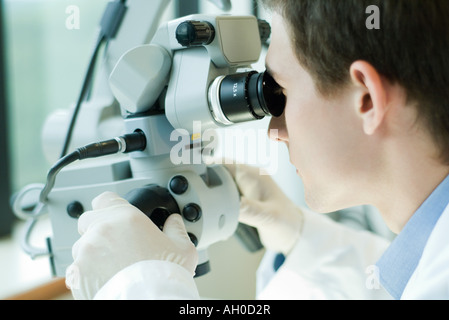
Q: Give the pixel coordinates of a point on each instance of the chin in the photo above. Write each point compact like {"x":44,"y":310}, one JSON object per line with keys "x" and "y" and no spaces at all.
{"x":316,"y":204}
{"x":325,"y":202}
{"x":320,"y":208}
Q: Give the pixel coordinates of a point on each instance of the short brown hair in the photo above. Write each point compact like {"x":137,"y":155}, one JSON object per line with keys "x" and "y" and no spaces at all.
{"x":411,"y":48}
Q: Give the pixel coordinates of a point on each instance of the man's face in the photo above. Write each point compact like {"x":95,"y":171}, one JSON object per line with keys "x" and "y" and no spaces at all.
{"x":324,"y":135}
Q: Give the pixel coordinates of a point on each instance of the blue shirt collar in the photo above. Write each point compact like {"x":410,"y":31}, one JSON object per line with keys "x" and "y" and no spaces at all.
{"x":400,"y":260}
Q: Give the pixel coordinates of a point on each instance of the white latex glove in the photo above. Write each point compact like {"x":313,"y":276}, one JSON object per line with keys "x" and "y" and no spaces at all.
{"x":116,"y":235}
{"x":265,"y":207}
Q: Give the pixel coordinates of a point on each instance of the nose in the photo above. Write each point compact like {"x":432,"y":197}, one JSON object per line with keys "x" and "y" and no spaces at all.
{"x":277,"y":130}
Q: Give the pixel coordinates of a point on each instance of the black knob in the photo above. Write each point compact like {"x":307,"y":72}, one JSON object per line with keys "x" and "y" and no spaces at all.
{"x":75,"y":209}
{"x":155,"y":202}
{"x":264,"y":30}
{"x":179,"y":185}
{"x":192,"y":212}
{"x":193,"y":238}
{"x":195,"y":33}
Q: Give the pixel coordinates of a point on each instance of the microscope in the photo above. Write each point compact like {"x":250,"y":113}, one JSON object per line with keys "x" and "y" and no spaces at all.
{"x":193,"y":75}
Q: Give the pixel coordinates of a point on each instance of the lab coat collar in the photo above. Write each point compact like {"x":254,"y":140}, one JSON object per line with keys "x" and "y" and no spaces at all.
{"x":400,"y":260}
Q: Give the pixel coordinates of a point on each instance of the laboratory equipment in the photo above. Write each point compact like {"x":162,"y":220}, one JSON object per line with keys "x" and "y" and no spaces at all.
{"x":171,"y":84}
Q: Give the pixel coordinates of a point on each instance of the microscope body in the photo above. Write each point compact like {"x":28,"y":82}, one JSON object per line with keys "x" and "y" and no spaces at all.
{"x":163,"y":89}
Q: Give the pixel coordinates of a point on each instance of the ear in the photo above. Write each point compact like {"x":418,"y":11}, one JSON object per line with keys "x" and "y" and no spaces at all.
{"x":370,"y":100}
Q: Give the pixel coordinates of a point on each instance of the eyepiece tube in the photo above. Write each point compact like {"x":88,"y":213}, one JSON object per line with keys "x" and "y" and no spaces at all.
{"x":245,"y":97}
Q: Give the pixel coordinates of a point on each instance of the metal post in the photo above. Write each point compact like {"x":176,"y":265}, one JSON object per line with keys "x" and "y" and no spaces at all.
{"x":6,"y":216}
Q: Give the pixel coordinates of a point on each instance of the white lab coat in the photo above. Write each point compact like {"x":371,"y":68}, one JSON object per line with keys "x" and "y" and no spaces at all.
{"x":431,"y":277}
{"x":330,"y":261}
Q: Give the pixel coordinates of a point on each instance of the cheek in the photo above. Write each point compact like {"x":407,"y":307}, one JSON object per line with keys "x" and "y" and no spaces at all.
{"x":316,"y":137}
{"x":304,"y":123}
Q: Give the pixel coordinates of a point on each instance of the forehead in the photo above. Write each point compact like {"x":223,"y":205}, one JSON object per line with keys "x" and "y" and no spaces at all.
{"x":281,"y":59}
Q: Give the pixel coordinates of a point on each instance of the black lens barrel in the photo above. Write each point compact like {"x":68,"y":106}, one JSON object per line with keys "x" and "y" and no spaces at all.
{"x":234,"y":98}
{"x":250,"y":96}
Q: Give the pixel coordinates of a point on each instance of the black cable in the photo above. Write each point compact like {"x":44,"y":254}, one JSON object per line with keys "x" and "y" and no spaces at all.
{"x":109,"y":25}
{"x":128,"y":143}
{"x":82,"y":96}
{"x":51,"y":176}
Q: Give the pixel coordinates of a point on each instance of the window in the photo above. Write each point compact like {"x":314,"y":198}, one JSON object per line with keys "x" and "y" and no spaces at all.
{"x":46,"y":62}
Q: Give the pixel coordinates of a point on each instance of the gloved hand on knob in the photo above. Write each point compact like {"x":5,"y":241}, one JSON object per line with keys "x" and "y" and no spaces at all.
{"x":115,"y":235}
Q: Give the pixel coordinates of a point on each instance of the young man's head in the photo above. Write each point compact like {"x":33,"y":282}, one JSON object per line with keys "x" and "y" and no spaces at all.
{"x":358,"y":97}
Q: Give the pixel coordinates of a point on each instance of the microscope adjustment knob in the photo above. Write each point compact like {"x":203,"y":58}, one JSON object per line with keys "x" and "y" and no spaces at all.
{"x":155,"y":202}
{"x":192,"y":212}
{"x":195,"y":33}
{"x":179,"y":185}
{"x":75,"y":209}
{"x":193,"y":238}
{"x":264,"y":30}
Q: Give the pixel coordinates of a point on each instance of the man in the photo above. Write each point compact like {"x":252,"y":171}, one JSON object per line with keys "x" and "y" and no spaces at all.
{"x":366,"y":122}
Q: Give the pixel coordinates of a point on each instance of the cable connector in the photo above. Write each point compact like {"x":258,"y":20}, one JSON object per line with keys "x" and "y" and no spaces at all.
{"x":128,"y":143}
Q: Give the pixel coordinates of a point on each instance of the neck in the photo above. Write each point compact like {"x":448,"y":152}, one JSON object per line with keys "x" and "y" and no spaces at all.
{"x":412,"y":174}
{"x":406,"y":196}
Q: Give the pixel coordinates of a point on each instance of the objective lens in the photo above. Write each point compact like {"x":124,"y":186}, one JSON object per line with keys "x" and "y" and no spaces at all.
{"x":245,"y":97}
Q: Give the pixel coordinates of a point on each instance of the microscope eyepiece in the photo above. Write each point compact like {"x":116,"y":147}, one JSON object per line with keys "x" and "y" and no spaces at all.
{"x":245,"y":97}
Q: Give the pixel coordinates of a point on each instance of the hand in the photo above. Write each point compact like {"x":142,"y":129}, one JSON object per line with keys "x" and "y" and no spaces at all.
{"x":264,"y":206}
{"x":116,"y":235}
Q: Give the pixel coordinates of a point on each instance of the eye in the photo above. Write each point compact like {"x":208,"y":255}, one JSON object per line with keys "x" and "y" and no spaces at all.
{"x":274,"y":95}
{"x":279,"y":90}
{"x":283,"y":91}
